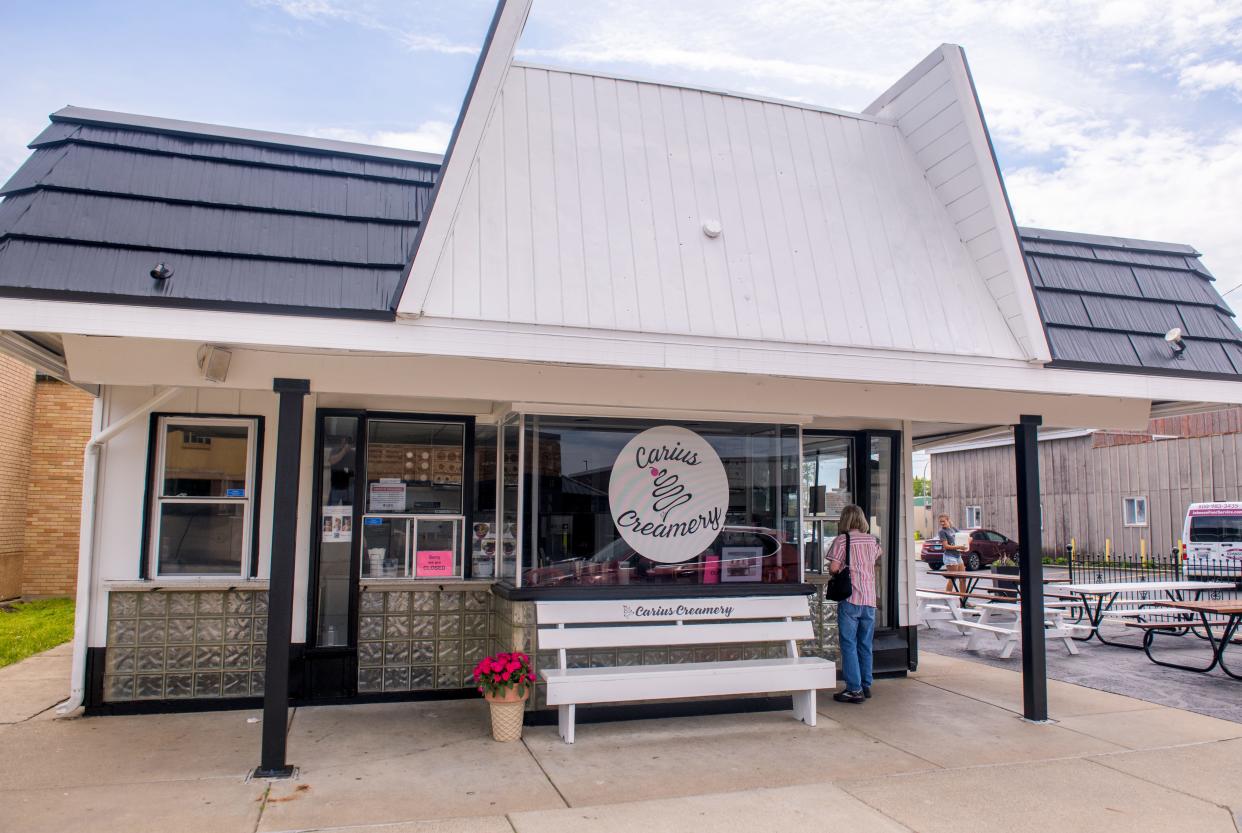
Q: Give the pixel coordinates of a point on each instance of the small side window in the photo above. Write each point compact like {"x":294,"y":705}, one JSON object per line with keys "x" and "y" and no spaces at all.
{"x":1134,"y":511}
{"x":204,"y":497}
{"x":974,"y":516}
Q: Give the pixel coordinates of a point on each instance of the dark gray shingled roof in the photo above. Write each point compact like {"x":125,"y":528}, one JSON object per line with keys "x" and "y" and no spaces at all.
{"x":1107,"y":302}
{"x":247,"y":220}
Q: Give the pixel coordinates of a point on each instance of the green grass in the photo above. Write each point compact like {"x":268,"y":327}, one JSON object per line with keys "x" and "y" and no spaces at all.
{"x":30,"y":627}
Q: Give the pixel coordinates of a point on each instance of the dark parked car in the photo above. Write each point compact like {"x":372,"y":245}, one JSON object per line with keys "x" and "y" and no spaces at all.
{"x":774,"y":560}
{"x":986,"y":546}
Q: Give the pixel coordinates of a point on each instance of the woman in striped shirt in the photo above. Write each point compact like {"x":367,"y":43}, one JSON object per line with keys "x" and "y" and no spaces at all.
{"x":856,"y":615}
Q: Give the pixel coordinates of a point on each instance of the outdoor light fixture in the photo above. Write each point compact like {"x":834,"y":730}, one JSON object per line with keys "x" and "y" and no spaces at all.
{"x":1174,"y":338}
{"x":162,"y":271}
{"x":213,"y":362}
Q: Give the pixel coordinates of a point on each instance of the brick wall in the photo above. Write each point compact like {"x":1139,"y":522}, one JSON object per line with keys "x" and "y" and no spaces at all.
{"x":17,"y":397}
{"x":62,"y":425}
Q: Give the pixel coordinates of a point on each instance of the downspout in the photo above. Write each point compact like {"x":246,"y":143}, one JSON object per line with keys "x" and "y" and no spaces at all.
{"x":86,"y":539}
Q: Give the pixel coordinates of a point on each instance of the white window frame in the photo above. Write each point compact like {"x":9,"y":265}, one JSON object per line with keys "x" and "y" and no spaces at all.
{"x":1135,"y":501}
{"x":974,"y":511}
{"x":158,"y":499}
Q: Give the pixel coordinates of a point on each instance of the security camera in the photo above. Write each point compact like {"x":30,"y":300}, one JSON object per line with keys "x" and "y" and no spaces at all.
{"x":1174,"y":338}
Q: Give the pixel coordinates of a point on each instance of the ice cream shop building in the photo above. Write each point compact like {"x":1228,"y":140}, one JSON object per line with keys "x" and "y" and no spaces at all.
{"x":360,"y":410}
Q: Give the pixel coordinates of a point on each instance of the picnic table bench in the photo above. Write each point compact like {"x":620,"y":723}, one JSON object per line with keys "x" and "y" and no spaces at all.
{"x":1225,"y":614}
{"x":568,"y":625}
{"x":1009,"y":633}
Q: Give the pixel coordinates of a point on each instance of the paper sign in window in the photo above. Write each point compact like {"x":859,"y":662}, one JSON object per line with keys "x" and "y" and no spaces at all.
{"x":434,"y":563}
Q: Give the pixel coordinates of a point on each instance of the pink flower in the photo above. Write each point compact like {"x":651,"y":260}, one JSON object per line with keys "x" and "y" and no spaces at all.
{"x":523,"y":657}
{"x":513,"y":666}
{"x":505,"y":676}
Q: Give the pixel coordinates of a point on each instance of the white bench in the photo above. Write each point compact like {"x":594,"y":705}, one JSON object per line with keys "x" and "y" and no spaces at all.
{"x":584,"y":625}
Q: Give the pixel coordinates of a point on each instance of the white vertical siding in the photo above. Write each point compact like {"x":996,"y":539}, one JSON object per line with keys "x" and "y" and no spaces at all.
{"x":585,"y":204}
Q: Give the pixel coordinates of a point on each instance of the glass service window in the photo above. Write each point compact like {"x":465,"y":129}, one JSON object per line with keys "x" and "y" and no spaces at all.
{"x":1135,"y":511}
{"x":827,"y":488}
{"x":205,"y":474}
{"x":974,"y":516}
{"x":414,"y":502}
{"x":570,"y":536}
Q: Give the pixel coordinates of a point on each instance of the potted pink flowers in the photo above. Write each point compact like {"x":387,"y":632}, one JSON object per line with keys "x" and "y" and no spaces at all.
{"x":504,"y":681}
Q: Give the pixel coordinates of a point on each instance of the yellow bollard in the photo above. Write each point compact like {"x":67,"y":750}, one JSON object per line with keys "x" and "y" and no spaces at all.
{"x":1143,"y":551}
{"x":1108,"y":548}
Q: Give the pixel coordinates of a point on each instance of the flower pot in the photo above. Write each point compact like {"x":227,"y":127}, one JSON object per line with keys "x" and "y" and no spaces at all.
{"x":1005,"y":571}
{"x":507,"y":710}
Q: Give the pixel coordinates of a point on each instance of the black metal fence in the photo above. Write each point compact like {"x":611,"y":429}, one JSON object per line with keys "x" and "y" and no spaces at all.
{"x":1087,"y":568}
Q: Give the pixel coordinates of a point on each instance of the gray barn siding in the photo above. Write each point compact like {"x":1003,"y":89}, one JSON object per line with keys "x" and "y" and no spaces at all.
{"x":1083,"y":488}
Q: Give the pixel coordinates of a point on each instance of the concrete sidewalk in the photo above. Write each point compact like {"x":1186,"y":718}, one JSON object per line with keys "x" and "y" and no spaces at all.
{"x":941,"y":751}
{"x":28,"y":689}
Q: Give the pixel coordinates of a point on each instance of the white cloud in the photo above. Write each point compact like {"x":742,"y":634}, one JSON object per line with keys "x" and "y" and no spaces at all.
{"x":403,"y":20}
{"x":1215,"y":75}
{"x":428,"y":137}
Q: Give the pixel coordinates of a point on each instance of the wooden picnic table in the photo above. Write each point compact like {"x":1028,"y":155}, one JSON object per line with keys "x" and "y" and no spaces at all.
{"x":1098,"y":599}
{"x":1226,"y":611}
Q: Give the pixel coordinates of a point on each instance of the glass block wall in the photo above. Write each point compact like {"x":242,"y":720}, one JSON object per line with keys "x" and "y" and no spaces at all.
{"x":168,"y":645}
{"x":414,"y":640}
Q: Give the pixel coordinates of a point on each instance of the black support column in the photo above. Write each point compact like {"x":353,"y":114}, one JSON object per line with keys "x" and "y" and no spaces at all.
{"x":1031,"y":569}
{"x":280,"y":585}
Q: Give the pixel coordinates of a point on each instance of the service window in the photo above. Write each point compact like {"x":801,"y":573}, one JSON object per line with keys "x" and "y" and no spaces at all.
{"x":204,"y":496}
{"x":1135,"y":510}
{"x":974,"y":516}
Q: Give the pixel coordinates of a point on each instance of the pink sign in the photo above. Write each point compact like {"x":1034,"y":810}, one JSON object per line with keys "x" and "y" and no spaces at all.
{"x":711,"y":569}
{"x":432,"y":563}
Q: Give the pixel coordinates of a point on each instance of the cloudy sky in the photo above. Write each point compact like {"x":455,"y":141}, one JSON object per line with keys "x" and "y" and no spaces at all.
{"x":1120,"y":117}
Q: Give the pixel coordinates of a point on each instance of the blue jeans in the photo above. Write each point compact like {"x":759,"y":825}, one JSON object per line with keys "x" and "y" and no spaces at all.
{"x":855,"y":627}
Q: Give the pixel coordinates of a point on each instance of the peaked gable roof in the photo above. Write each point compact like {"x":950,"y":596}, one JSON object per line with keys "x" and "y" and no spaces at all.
{"x":612,"y":204}
{"x":1107,"y":303}
{"x":246,"y":220}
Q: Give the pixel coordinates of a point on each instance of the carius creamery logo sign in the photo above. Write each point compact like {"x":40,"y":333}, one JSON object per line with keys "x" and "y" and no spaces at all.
{"x":668,"y":494}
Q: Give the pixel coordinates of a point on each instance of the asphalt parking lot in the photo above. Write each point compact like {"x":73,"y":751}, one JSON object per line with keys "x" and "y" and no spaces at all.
{"x":1106,"y":668}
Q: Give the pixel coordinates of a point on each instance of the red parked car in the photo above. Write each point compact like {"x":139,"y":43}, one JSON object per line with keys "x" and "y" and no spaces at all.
{"x":986,"y":546}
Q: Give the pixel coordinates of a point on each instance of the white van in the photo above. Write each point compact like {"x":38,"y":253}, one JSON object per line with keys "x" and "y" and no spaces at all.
{"x":1212,"y":540}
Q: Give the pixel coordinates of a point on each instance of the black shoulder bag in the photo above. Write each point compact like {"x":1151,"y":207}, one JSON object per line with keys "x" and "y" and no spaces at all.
{"x":840,"y":586}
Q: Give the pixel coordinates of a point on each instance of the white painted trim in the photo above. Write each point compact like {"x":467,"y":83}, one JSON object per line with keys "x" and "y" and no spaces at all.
{"x":242,"y":134}
{"x":604,"y":348}
{"x":493,"y":69}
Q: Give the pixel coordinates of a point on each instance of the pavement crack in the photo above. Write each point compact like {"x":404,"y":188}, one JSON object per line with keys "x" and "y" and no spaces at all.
{"x":551,"y":783}
{"x":262,"y":806}
{"x":1168,"y":787}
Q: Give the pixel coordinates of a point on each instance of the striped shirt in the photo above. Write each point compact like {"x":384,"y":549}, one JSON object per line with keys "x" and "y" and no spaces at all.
{"x":864,"y":553}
